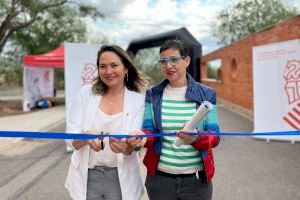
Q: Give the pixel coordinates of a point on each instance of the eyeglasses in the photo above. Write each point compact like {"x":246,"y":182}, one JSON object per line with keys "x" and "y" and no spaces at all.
{"x":173,"y":60}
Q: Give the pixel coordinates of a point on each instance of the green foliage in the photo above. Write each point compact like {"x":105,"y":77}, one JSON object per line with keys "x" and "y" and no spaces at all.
{"x":154,"y":72}
{"x":212,"y":69}
{"x":86,"y":10}
{"x":35,"y":27}
{"x":59,"y":81}
{"x":58,"y":25}
{"x":146,"y":60}
{"x":10,"y":72}
{"x":248,"y":17}
{"x":17,"y":15}
{"x":212,"y":73}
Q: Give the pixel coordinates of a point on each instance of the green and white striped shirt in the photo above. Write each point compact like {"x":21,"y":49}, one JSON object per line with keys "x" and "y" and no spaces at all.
{"x":176,"y":111}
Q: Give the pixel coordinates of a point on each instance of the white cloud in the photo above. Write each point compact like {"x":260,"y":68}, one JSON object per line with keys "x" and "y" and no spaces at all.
{"x":128,"y":20}
{"x":132,"y":19}
{"x":294,"y":3}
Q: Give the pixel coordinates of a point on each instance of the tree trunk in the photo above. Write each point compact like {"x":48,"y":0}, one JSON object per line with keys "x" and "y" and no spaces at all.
{"x":4,"y":39}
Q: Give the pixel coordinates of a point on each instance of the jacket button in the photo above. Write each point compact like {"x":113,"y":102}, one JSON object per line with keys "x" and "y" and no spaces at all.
{"x":127,"y":114}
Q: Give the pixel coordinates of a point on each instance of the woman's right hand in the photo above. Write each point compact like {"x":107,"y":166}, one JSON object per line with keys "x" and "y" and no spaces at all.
{"x":95,"y":144}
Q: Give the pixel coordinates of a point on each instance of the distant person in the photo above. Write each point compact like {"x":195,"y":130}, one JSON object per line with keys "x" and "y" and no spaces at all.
{"x":107,"y":170}
{"x":183,"y":172}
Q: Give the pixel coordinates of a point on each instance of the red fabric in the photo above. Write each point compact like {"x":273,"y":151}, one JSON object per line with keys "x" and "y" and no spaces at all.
{"x":209,"y":165}
{"x":151,"y":157}
{"x":150,"y":140}
{"x":55,"y":58}
{"x":151,"y":161}
{"x":205,"y":143}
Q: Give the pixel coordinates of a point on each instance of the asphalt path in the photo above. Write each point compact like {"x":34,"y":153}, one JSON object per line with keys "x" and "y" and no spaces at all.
{"x":246,"y":168}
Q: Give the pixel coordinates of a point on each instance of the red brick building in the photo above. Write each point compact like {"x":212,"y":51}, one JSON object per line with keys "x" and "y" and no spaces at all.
{"x":234,"y":82}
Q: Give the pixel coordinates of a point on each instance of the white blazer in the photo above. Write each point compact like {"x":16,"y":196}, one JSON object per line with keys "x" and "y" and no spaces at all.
{"x":83,"y":111}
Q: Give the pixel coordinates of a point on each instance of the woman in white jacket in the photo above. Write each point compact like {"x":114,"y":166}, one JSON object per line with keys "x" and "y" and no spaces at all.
{"x":109,"y":169}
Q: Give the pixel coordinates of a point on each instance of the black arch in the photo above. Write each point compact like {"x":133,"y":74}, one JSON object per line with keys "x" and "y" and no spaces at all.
{"x":194,"y":47}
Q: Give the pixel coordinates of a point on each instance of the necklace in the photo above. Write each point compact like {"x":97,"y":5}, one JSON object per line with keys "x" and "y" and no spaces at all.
{"x":114,"y":100}
{"x":111,"y":102}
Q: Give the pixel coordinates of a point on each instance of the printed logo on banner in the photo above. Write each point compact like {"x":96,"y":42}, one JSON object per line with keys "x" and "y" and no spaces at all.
{"x":46,"y":77}
{"x":292,"y":89}
{"x":89,"y":73}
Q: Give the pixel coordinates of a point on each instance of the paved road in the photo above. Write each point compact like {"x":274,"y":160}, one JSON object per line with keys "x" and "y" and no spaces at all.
{"x":247,"y":169}
{"x":250,"y":169}
{"x":34,"y":169}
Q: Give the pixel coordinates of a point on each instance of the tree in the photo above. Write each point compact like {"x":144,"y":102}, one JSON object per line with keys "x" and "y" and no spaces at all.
{"x":248,"y":17}
{"x":146,"y":60}
{"x":18,"y":14}
{"x":58,"y":25}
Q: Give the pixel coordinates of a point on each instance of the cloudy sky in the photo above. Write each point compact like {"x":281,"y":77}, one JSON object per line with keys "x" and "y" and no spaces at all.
{"x":131,"y":19}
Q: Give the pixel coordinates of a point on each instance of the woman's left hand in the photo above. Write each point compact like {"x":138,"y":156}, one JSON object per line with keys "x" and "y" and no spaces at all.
{"x":119,"y":146}
{"x":187,"y":137}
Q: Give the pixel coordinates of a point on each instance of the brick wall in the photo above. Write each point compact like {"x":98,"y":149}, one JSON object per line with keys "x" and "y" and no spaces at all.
{"x":235,"y":75}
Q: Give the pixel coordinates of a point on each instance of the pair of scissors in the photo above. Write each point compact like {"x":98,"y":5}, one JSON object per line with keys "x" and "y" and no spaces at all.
{"x":101,"y":141}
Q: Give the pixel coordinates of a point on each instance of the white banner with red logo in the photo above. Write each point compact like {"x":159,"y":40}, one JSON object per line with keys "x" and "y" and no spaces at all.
{"x":80,"y":69}
{"x":276,"y":84}
{"x":38,"y":83}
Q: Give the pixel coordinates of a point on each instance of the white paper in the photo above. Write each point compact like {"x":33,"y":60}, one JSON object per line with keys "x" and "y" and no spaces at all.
{"x":201,"y":112}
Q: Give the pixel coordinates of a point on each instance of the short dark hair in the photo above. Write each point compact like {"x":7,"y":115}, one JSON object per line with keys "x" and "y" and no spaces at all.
{"x":137,"y":81}
{"x":176,"y":45}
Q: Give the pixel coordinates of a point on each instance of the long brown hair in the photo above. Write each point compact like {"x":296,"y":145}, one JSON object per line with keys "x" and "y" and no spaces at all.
{"x":137,"y":81}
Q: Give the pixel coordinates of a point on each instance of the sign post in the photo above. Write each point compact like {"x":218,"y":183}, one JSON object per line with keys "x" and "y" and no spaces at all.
{"x":276,"y":84}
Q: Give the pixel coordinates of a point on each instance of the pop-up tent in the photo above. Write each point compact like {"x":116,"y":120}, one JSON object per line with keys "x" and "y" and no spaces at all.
{"x":53,"y":59}
{"x":38,"y":76}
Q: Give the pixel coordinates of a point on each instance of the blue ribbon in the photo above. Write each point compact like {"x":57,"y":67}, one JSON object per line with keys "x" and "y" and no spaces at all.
{"x":63,"y":135}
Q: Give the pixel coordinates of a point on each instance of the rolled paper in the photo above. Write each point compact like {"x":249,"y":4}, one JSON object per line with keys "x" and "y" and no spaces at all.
{"x":201,"y":112}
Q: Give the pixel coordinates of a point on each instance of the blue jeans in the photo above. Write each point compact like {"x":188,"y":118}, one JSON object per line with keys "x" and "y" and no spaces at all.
{"x":169,"y":188}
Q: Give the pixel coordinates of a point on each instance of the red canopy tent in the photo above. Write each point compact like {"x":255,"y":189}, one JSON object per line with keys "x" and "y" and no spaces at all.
{"x":38,"y":76}
{"x":54,"y":58}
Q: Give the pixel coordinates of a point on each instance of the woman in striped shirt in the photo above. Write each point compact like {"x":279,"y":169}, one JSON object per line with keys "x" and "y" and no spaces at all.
{"x":183,"y":172}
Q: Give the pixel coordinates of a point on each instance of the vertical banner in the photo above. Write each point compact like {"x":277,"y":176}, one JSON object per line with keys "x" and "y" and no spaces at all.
{"x":38,"y":83}
{"x":276,"y":84}
{"x":80,"y":69}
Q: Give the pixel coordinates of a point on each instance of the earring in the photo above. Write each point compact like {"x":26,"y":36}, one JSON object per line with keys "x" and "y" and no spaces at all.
{"x":126,"y":76}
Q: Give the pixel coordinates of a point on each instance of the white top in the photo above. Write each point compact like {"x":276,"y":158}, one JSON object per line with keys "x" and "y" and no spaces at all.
{"x":113,"y":125}
{"x":82,"y":115}
{"x":177,"y":93}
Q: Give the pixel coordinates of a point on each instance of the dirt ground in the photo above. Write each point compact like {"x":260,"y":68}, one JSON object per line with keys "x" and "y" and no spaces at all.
{"x":11,"y":101}
{"x":10,"y":107}
{"x":14,"y":107}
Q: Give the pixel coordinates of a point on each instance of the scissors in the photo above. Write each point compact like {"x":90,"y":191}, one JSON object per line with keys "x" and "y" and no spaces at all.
{"x":102,"y":143}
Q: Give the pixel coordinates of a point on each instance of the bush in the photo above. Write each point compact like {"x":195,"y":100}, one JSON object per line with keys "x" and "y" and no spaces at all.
{"x":11,"y":73}
{"x":59,"y":79}
{"x":146,"y":60}
{"x":212,"y":73}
